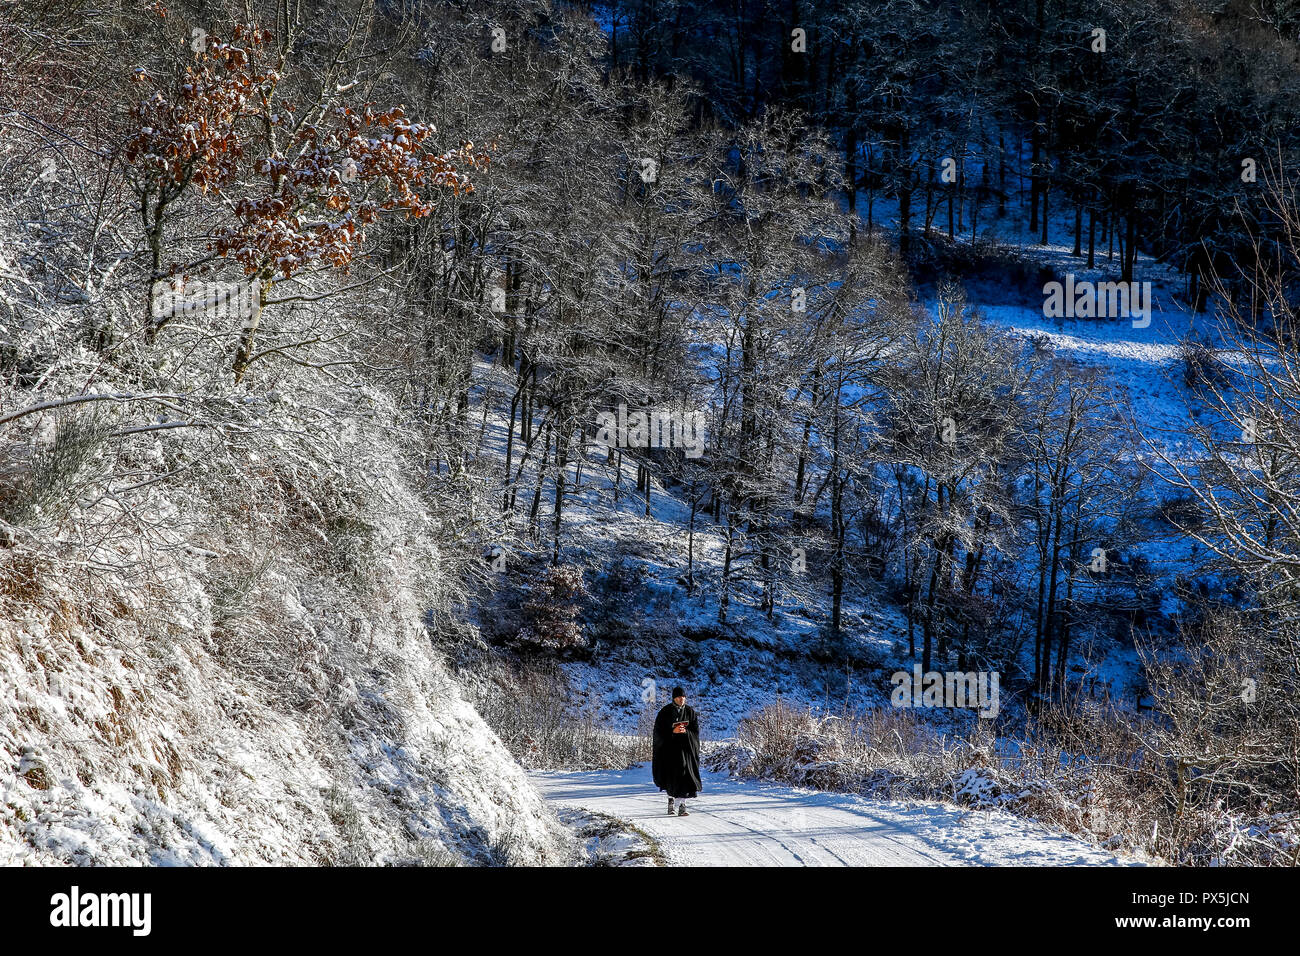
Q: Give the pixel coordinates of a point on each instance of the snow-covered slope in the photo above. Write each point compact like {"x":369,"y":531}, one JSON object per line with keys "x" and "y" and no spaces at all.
{"x":231,"y":695}
{"x":636,"y":557}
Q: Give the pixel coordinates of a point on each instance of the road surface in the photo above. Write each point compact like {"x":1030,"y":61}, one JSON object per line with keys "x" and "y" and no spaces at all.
{"x":742,"y":823}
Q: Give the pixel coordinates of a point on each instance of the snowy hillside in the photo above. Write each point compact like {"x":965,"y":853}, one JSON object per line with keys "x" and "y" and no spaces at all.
{"x":213,"y":694}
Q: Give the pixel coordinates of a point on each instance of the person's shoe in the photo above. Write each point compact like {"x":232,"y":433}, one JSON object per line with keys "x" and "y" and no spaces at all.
{"x":670,"y":806}
{"x":682,"y":812}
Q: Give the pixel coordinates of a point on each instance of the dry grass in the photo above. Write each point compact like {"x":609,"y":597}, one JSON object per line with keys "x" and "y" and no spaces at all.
{"x":1085,"y":771}
{"x":532,"y":708}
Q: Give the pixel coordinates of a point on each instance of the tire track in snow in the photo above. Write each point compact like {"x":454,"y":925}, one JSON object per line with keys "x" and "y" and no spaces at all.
{"x":744,"y":823}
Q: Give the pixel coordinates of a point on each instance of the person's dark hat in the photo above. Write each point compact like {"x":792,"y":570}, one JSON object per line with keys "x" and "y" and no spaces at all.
{"x":678,"y":692}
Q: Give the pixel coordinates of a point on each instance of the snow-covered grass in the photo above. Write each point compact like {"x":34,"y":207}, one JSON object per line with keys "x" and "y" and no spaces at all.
{"x":1078,"y":771}
{"x":609,"y":841}
{"x":250,"y":681}
{"x":892,"y":754}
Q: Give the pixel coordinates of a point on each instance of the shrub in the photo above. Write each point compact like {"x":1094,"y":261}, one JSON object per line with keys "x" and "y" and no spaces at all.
{"x":1201,"y":365}
{"x":532,"y":708}
{"x":46,"y":486}
{"x":997,"y":274}
{"x":1091,"y":770}
{"x":553,"y":612}
{"x":1181,"y":512}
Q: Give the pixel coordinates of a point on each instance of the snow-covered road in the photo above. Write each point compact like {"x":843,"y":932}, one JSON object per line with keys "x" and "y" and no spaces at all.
{"x":741,"y":823}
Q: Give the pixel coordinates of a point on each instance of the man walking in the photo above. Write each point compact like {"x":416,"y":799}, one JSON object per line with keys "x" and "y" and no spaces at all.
{"x":676,"y":764}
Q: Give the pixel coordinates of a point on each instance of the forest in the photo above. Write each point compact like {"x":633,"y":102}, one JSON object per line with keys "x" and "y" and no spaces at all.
{"x":365,"y":358}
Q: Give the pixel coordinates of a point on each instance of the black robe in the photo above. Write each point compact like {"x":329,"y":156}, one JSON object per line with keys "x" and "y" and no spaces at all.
{"x":676,"y":764}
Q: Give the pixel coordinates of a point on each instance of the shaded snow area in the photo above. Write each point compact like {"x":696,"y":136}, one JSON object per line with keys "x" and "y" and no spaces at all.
{"x":742,"y":823}
{"x":645,"y":625}
{"x":646,"y":630}
{"x":225,"y":700}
